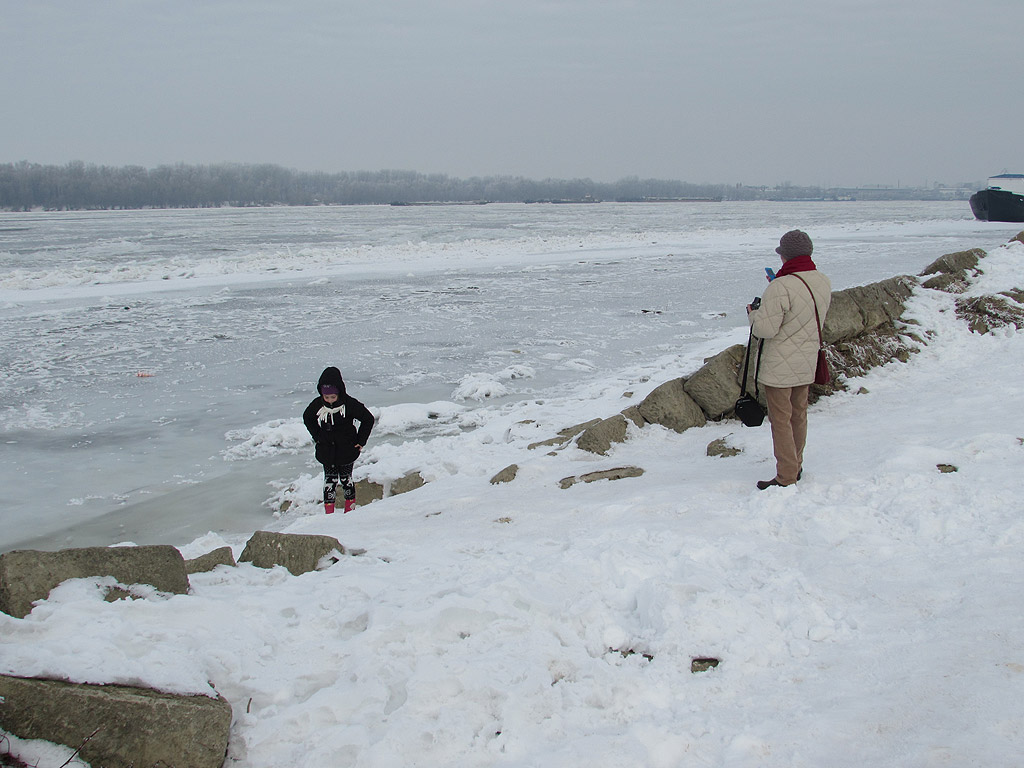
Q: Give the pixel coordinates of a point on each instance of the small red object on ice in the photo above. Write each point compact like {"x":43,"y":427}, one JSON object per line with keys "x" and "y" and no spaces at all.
{"x":143,"y":375}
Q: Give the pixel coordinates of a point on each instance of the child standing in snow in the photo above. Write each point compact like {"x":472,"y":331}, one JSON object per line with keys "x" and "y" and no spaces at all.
{"x":330,"y":420}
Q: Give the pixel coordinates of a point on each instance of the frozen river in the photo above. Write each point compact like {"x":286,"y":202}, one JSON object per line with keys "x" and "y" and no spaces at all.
{"x":136,"y":345}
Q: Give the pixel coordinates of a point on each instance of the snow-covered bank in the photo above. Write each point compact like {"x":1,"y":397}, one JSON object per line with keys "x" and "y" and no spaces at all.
{"x":868,"y":616}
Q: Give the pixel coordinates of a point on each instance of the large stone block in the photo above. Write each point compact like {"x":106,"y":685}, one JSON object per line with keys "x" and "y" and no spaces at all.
{"x":670,"y":406}
{"x":953,"y":263}
{"x":298,"y":552}
{"x":599,"y":437}
{"x":898,"y":289}
{"x":866,"y":307}
{"x":871,"y":300}
{"x":715,"y":386}
{"x":881,"y":302}
{"x":29,"y":575}
{"x":406,"y":483}
{"x":118,"y":726}
{"x":843,"y":320}
{"x":368,"y":491}
{"x":209,"y":561}
{"x":632,"y":413}
{"x":947,"y":283}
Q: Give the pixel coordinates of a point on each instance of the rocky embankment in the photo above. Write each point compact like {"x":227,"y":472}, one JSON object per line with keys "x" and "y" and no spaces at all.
{"x":864,"y":329}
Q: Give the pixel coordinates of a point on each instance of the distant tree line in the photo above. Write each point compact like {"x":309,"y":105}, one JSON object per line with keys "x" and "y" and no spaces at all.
{"x":79,"y":186}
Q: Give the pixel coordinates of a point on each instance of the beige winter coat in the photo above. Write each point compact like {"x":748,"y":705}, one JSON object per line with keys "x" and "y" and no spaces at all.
{"x":785,"y":320}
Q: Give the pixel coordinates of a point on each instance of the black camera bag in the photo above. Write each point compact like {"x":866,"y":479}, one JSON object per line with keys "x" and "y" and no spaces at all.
{"x":747,"y":408}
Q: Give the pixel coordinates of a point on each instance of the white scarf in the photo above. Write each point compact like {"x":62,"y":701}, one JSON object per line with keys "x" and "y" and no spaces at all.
{"x":326,"y":413}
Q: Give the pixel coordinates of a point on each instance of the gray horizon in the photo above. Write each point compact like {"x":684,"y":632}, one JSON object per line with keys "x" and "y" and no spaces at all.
{"x":831,"y":93}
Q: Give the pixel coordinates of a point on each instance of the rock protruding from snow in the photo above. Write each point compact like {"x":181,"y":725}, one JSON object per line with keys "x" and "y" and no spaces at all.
{"x":721,"y":447}
{"x":618,"y":473}
{"x":670,"y":406}
{"x":716,"y":386}
{"x":406,"y":483}
{"x":298,"y":552}
{"x":952,"y":272}
{"x":29,"y":575}
{"x":986,"y":313}
{"x":599,"y":437}
{"x":118,"y":726}
{"x":209,"y":561}
{"x":507,"y":475}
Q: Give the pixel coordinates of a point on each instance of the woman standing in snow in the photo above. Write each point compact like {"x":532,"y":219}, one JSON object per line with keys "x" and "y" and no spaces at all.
{"x":330,"y":419}
{"x":788,"y":317}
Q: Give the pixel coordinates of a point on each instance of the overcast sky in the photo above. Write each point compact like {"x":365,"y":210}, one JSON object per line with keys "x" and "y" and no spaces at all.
{"x":817,"y":92}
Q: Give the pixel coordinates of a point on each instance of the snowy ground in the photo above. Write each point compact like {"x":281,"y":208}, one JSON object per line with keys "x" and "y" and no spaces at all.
{"x":870,"y":616}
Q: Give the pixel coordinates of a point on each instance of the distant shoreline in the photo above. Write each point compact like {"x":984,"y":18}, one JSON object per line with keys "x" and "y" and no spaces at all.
{"x":461,"y":204}
{"x":77,"y":186}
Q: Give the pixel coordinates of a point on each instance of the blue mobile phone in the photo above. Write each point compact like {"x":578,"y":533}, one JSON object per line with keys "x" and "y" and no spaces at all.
{"x":770,"y":273}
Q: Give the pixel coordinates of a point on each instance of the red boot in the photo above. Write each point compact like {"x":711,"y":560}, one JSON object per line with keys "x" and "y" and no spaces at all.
{"x":329,"y":508}
{"x":350,"y":504}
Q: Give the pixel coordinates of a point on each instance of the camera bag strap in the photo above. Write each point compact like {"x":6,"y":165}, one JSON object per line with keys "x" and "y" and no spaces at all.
{"x":746,"y":364}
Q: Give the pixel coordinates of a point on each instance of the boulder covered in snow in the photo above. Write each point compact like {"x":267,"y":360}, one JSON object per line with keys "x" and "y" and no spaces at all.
{"x":716,"y":386}
{"x":952,"y":272}
{"x":670,"y":406}
{"x":406,"y":483}
{"x":29,"y":575}
{"x":599,"y":437}
{"x":209,"y":561}
{"x":865,"y":308}
{"x":367,"y":491}
{"x":298,"y":552}
{"x":118,"y":726}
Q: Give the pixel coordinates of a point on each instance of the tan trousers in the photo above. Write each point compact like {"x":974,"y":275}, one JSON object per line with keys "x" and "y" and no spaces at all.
{"x":787,"y":412}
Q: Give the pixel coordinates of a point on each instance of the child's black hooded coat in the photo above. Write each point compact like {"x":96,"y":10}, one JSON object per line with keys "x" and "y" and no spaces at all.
{"x":332,"y":427}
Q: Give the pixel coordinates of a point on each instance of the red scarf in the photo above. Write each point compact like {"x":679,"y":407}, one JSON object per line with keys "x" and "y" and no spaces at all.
{"x":796,"y":264}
